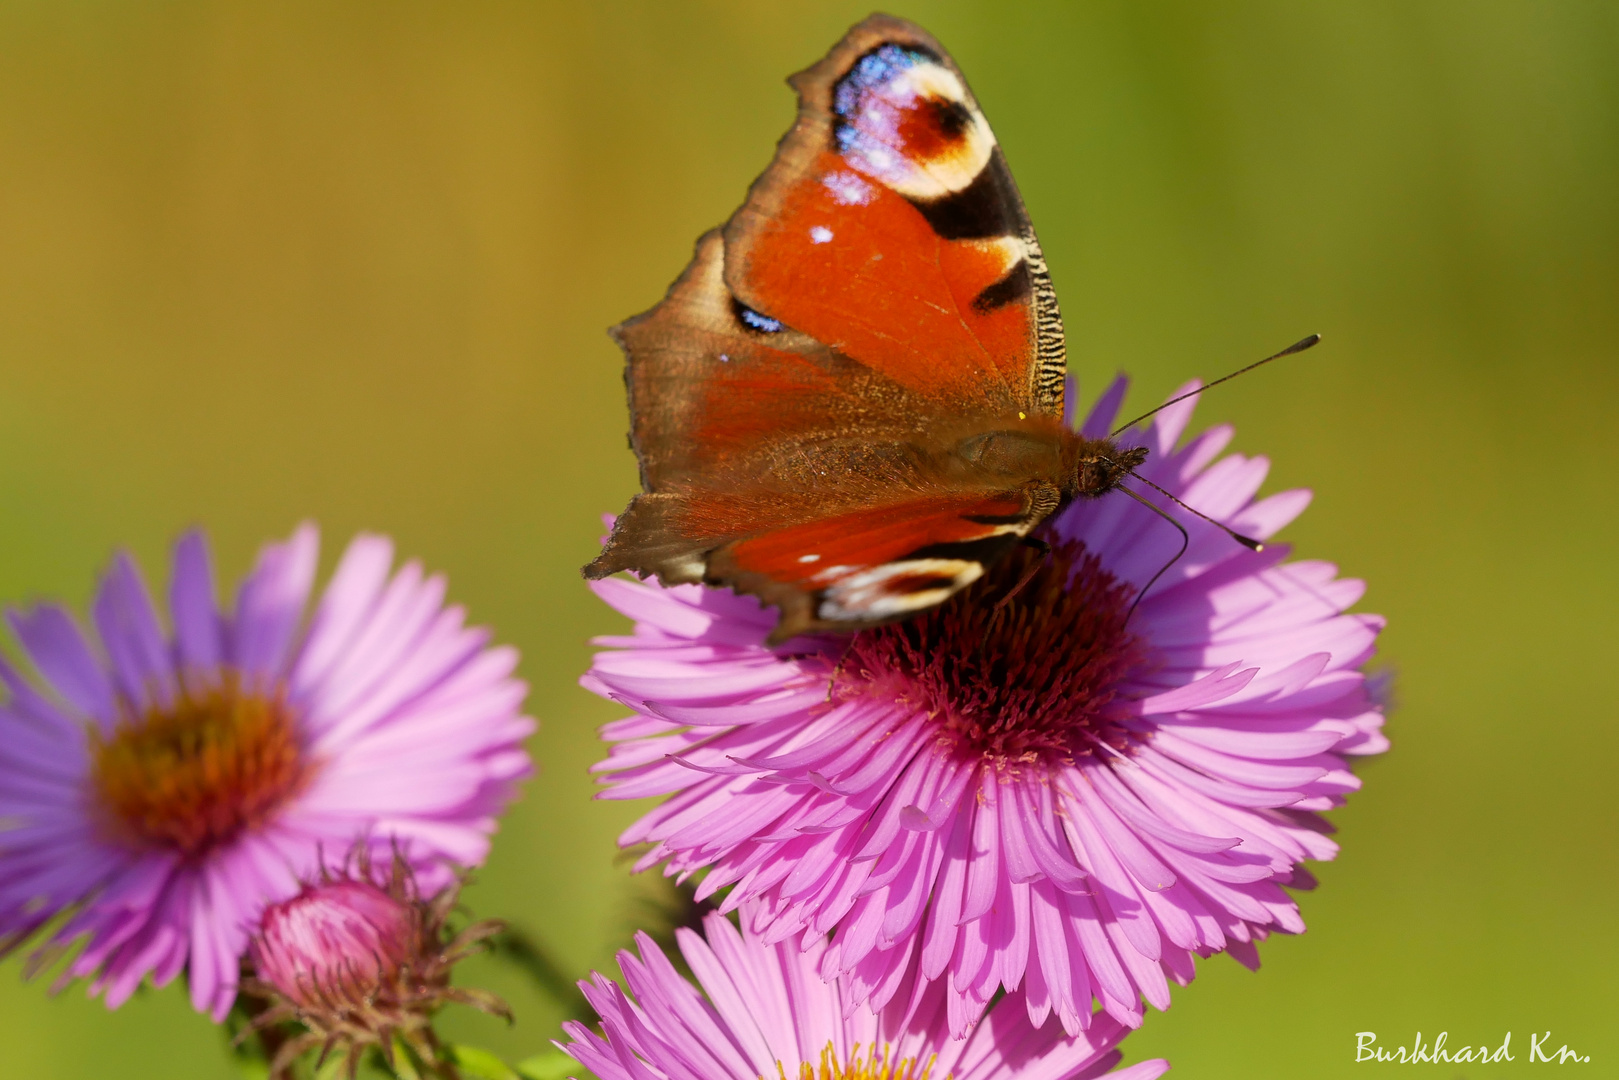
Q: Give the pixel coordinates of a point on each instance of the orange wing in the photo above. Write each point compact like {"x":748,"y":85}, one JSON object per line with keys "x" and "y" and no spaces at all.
{"x":890,"y":229}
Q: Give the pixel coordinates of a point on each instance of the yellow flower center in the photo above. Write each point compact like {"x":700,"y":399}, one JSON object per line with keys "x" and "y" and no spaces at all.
{"x":862,"y":1065}
{"x":195,"y":774}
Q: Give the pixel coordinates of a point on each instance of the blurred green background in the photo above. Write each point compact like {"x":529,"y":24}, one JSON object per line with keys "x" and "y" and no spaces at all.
{"x":353,"y":262}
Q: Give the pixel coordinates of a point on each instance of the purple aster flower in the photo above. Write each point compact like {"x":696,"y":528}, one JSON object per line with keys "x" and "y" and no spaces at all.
{"x":1048,"y":792}
{"x":768,"y":1014}
{"x":163,"y":788}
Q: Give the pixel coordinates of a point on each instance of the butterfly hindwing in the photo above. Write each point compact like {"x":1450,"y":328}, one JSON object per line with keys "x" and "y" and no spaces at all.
{"x":879,"y":564}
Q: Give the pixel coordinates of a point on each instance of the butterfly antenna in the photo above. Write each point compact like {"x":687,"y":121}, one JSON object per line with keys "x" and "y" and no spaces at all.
{"x":1246,"y":541}
{"x":1186,"y":541}
{"x":1296,"y":347}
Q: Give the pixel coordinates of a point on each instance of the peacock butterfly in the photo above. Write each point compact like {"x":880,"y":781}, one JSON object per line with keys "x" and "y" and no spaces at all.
{"x":850,"y":404}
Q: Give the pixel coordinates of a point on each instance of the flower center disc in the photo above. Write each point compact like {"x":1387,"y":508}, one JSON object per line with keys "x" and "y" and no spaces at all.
{"x":1038,"y":676}
{"x":195,"y":774}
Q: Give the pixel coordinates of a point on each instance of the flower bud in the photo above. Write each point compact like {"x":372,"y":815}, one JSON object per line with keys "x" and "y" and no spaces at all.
{"x":360,"y":962}
{"x":334,"y":944}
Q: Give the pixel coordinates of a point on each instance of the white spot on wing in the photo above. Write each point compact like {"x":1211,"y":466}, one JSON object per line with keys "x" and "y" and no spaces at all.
{"x":820,"y":234}
{"x":874,"y":593}
{"x":690,"y":568}
{"x":847,"y":188}
{"x":809,"y":558}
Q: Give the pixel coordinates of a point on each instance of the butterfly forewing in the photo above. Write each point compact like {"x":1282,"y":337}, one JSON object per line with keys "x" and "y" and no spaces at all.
{"x":889,"y":227}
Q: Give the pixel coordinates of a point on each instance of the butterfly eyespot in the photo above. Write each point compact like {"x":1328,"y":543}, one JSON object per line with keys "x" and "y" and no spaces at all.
{"x":905,"y":120}
{"x":755,"y":321}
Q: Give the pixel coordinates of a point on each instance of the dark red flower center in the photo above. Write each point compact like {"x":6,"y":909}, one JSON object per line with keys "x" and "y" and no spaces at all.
{"x":196,"y":773}
{"x":1036,"y":676}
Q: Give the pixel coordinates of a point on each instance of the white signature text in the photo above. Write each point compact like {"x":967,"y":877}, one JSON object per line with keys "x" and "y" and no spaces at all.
{"x":1366,"y":1049}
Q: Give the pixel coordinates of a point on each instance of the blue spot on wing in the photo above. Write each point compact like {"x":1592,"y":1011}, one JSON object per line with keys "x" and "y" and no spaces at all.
{"x":762,"y":323}
{"x":875,"y":68}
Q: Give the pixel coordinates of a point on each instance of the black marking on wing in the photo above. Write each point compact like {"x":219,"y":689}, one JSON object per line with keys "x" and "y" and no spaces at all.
{"x":996,"y":519}
{"x":981,"y":210}
{"x":950,"y":117}
{"x":985,"y":551}
{"x":1016,"y":285}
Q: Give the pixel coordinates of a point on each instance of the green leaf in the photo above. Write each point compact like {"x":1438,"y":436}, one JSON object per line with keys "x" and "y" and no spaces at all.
{"x":549,"y":1065}
{"x":480,"y":1063}
{"x":330,"y":1068}
{"x":404,"y":1061}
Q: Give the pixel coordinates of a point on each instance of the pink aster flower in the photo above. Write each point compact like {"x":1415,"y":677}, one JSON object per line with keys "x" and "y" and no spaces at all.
{"x":163,"y":788}
{"x":1061,"y":797}
{"x":767,"y":1013}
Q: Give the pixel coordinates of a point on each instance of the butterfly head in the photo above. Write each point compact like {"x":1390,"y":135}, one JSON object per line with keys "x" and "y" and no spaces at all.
{"x":1101,"y":465}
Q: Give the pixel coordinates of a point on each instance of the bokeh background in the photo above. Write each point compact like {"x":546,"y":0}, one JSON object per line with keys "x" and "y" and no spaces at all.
{"x":353,"y":261}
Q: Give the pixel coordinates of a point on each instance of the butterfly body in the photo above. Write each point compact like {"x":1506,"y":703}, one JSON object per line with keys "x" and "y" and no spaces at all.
{"x":851,"y":402}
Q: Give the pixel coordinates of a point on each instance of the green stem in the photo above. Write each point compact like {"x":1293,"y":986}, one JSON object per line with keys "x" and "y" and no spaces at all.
{"x":270,"y":1039}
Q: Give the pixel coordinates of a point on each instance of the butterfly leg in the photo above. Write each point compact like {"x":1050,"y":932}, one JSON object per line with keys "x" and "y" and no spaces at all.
{"x":1028,"y":572}
{"x":837,"y":669}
